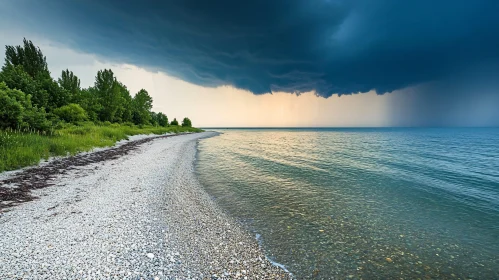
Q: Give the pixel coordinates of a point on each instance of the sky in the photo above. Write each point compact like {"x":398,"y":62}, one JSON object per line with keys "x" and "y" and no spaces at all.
{"x":282,"y":62}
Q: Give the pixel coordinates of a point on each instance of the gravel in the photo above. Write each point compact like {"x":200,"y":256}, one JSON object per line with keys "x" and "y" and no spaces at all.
{"x":143,"y":215}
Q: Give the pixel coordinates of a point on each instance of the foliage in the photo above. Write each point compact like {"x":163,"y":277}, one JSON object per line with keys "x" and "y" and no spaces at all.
{"x":89,"y":101}
{"x":57,"y":96}
{"x":159,"y":119}
{"x":16,"y":111}
{"x":29,"y":57}
{"x":174,"y":122}
{"x":40,"y":116}
{"x":141,"y":104}
{"x":108,"y":93}
{"x":124,"y":112}
{"x":154,"y":119}
{"x":36,"y":119}
{"x":26,"y":69}
{"x":11,"y":110}
{"x":72,"y":113}
{"x":108,"y":100}
{"x":162,"y":119}
{"x":16,"y":78}
{"x":186,"y":122}
{"x":71,"y":83}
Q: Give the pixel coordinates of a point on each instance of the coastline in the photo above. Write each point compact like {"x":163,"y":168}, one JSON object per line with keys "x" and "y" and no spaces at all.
{"x":5,"y":175}
{"x":142,"y":214}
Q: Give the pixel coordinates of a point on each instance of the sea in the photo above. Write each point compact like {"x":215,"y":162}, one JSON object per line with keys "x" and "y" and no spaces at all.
{"x":362,"y":203}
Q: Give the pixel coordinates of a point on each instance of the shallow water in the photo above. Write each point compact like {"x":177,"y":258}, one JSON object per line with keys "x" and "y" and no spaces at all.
{"x":363,"y":203}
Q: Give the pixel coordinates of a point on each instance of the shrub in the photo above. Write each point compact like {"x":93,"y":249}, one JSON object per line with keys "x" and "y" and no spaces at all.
{"x":16,"y":111}
{"x":36,"y":119}
{"x":11,"y":110}
{"x":71,"y":113}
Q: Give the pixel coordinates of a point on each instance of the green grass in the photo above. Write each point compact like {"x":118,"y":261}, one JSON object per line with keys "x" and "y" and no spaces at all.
{"x":19,"y":149}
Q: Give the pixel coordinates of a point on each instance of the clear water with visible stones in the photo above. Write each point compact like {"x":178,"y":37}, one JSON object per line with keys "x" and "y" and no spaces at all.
{"x":363,"y":203}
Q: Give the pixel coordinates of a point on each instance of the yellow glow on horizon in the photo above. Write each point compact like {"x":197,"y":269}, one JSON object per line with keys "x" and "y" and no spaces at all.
{"x":230,"y":107}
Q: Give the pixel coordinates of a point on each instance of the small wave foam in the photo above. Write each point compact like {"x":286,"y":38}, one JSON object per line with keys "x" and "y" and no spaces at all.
{"x":274,"y":263}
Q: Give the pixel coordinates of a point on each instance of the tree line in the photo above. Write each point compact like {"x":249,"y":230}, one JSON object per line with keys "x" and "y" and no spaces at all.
{"x":31,"y":99}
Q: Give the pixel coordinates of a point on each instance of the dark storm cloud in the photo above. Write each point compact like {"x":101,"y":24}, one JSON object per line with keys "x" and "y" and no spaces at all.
{"x":330,"y":46}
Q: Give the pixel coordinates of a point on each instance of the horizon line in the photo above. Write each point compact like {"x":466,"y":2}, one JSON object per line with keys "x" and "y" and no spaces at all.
{"x":334,"y":127}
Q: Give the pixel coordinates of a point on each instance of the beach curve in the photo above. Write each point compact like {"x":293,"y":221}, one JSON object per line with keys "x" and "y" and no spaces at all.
{"x":140,"y":215}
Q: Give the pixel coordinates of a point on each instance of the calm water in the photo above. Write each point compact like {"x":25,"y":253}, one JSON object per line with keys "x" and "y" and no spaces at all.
{"x":363,"y":203}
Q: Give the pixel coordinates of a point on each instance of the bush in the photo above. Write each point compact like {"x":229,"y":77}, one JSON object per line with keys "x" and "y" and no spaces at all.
{"x":174,"y":122}
{"x":16,"y":111}
{"x":71,"y":113}
{"x":11,"y":110}
{"x":36,"y":119}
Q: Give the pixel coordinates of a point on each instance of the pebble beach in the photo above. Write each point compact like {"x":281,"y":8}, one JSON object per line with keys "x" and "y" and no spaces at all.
{"x":138,"y":215}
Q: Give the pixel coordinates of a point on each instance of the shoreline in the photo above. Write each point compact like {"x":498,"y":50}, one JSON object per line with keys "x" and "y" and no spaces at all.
{"x":138,"y":214}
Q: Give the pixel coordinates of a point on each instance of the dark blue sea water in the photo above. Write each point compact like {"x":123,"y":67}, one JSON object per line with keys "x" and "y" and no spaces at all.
{"x":363,"y":203}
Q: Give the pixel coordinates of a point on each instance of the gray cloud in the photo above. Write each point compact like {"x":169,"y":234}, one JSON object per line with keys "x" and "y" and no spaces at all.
{"x":330,"y":46}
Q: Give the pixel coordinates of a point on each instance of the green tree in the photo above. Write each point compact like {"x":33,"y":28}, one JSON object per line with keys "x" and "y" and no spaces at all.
{"x":29,"y":57}
{"x":31,"y":60}
{"x":57,"y":96}
{"x":71,"y":83}
{"x":16,"y":78}
{"x":162,"y":119}
{"x":186,"y":122}
{"x":108,"y":92}
{"x":141,"y":104}
{"x":124,"y":111}
{"x":159,"y":119}
{"x":174,"y":122}
{"x":89,"y":101}
{"x":154,"y":118}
